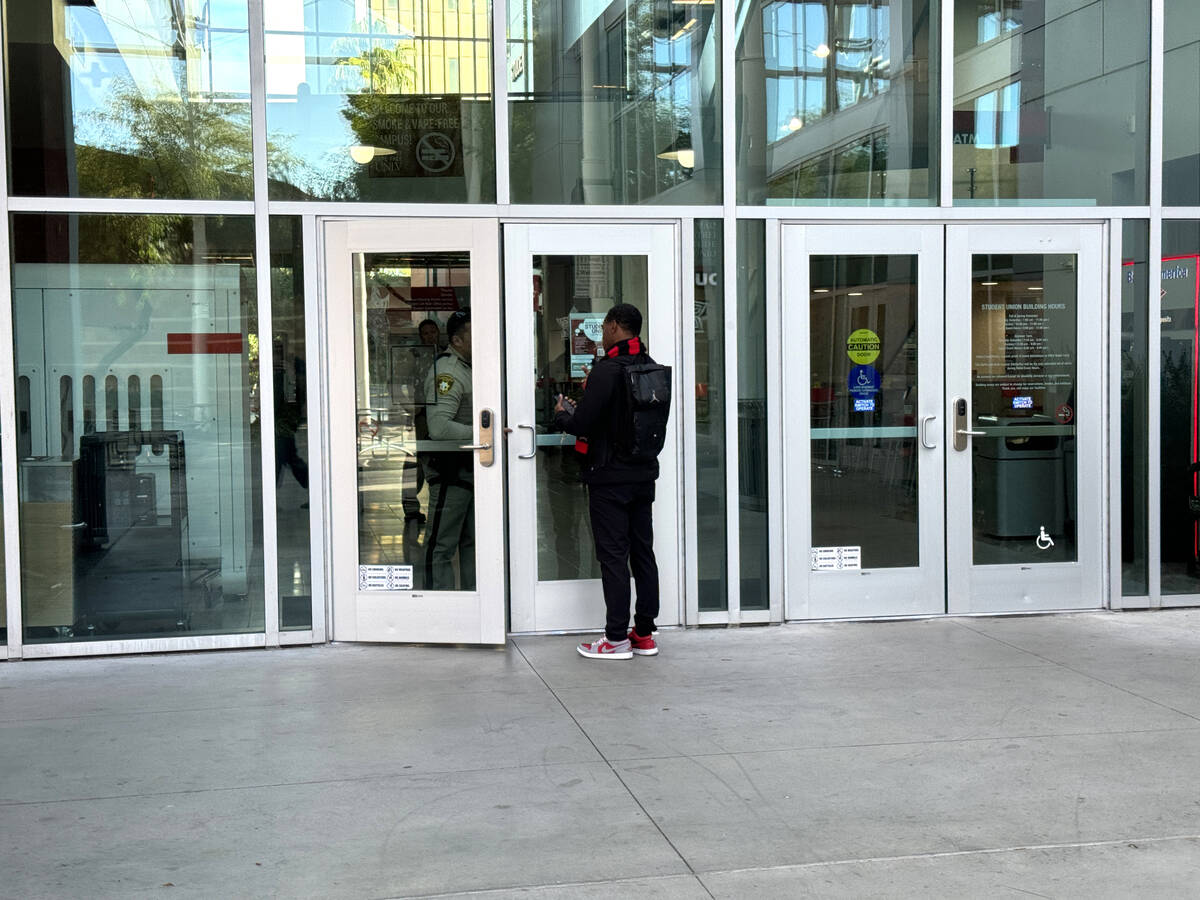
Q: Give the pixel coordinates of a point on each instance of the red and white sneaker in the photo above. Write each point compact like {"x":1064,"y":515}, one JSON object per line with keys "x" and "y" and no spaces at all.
{"x":643,"y":646}
{"x":606,"y":649}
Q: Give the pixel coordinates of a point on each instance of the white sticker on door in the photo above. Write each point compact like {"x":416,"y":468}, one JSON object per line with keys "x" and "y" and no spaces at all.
{"x":385,"y":578}
{"x":836,"y":559}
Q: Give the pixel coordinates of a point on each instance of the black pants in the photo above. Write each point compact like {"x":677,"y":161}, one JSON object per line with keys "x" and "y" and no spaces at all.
{"x":623,"y":529}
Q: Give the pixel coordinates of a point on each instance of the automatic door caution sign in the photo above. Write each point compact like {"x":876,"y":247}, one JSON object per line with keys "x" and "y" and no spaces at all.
{"x":862,"y":346}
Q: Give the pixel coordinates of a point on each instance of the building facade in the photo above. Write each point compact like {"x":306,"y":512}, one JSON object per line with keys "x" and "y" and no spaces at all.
{"x":906,"y":258}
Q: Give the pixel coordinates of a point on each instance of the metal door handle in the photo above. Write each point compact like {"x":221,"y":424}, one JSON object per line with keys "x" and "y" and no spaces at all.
{"x":925,"y":432}
{"x":532,"y":442}
{"x":474,"y":446}
{"x":970,"y":432}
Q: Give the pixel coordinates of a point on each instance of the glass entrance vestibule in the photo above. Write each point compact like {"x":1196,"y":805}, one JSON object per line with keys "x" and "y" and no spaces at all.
{"x":951,"y":459}
{"x":870,"y":420}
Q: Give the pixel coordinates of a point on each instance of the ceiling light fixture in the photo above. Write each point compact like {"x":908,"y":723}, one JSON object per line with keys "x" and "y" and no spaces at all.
{"x":364,"y":153}
{"x":680,"y":150}
{"x":795,"y":124}
{"x":822,"y":51}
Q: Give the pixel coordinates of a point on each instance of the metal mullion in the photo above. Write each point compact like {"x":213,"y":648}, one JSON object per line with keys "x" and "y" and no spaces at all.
{"x":334,"y":209}
{"x":8,"y":412}
{"x":118,"y":206}
{"x":690,"y":513}
{"x":1112,"y":403}
{"x":1157,"y":111}
{"x":733,"y":550}
{"x":729,"y":279}
{"x":946,"y":106}
{"x":266,"y":333}
{"x":773,"y":350}
{"x":1016,"y":215}
{"x":500,"y":119}
{"x":318,"y":450}
{"x":1154,"y":331}
{"x":1112,"y":509}
{"x":1180,"y":212}
{"x":728,"y":104}
{"x":1154,"y":417}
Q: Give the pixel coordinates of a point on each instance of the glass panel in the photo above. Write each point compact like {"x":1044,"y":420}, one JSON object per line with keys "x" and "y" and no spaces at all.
{"x":128,"y":532}
{"x":380,"y":101}
{"x":1050,"y":101}
{"x":752,"y":415}
{"x":615,"y":102}
{"x":1180,"y":396}
{"x":290,"y":354}
{"x":863,"y":346}
{"x":711,"y":490}
{"x":1181,"y":125}
{"x":572,"y":294}
{"x":837,"y":102}
{"x":118,"y":99}
{"x":1135,"y":421}
{"x":1023,"y":339}
{"x":416,"y":488}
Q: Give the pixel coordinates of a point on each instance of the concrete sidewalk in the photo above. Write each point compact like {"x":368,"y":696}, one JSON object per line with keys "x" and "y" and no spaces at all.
{"x":1057,"y":756}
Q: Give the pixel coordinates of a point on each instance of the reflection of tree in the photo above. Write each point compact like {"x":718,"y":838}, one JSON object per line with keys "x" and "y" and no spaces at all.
{"x":377,"y":70}
{"x":138,"y":146}
{"x":380,"y":74}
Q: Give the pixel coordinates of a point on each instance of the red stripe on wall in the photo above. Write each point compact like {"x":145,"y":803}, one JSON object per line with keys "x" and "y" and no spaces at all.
{"x":180,"y":342}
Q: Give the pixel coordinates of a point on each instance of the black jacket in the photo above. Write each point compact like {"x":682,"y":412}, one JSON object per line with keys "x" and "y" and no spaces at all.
{"x":602,"y":419}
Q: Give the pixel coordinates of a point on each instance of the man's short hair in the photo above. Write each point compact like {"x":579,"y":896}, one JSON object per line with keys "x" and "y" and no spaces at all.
{"x":433,"y":322}
{"x":457,"y":322}
{"x":626,"y":316}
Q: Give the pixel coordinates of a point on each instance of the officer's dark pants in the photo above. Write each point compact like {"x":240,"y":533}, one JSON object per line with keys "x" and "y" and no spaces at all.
{"x":623,"y":529}
{"x":450,"y":530}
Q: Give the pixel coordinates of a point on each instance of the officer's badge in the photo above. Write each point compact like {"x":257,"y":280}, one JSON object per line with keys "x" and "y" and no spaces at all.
{"x":444,"y":383}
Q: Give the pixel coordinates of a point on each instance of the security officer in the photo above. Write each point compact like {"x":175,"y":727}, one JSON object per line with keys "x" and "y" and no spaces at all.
{"x":450,"y":473}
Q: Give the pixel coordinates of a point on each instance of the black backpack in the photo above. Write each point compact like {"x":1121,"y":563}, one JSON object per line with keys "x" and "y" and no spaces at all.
{"x":648,"y":401}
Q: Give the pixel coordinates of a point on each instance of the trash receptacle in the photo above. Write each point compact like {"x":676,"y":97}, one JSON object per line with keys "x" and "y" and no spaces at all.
{"x":1019,"y":482}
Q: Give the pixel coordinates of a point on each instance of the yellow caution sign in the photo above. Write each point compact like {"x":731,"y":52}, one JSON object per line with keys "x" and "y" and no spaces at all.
{"x":863,"y":346}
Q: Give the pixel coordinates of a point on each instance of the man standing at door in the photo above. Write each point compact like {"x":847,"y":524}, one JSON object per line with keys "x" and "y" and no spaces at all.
{"x":620,"y":489}
{"x":450,"y":473}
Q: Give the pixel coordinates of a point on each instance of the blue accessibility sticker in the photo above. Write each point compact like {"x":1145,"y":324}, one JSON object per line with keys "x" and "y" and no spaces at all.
{"x":864,"y":381}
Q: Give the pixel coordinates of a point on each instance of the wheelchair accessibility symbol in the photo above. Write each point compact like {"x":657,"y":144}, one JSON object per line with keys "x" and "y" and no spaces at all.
{"x":1044,"y":541}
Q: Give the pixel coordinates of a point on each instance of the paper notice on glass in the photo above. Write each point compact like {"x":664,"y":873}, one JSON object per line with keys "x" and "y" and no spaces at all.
{"x":836,"y":559}
{"x":587,"y":330}
{"x":385,"y":578}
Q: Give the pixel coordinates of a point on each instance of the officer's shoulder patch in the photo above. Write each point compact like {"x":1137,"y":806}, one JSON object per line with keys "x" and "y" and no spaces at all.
{"x":444,"y":383}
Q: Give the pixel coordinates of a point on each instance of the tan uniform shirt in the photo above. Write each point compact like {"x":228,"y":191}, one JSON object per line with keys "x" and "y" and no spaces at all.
{"x":450,"y":412}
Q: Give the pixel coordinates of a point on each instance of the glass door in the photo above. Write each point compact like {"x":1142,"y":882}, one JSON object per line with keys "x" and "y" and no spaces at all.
{"x":1024,"y":371}
{"x":414,"y":376}
{"x":863,"y":462}
{"x":560,"y":281}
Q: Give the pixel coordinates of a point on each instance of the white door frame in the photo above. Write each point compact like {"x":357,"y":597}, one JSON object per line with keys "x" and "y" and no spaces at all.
{"x":916,"y":590}
{"x":472,"y":617}
{"x":1043,"y":586}
{"x":578,"y":605}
